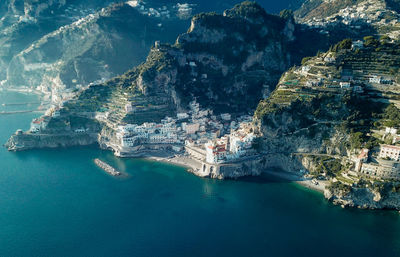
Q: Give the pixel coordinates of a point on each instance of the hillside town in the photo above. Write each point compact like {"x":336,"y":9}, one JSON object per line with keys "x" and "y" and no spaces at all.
{"x":358,"y":17}
{"x":220,"y":138}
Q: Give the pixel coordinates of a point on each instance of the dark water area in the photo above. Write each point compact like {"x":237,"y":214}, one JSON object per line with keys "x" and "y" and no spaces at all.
{"x":57,"y":202}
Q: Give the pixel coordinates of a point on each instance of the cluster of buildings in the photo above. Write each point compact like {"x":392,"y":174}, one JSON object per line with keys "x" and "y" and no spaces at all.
{"x":40,"y":124}
{"x":230,"y":147}
{"x":385,"y":166}
{"x":357,"y":16}
{"x":197,"y":128}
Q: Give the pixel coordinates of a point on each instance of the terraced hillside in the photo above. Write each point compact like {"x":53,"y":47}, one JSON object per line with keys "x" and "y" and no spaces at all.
{"x":335,"y":102}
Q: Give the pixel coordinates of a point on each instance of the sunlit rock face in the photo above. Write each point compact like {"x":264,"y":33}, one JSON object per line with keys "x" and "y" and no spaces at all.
{"x":85,"y":41}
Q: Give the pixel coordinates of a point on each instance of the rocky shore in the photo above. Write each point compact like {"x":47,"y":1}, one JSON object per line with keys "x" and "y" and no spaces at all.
{"x":26,"y":141}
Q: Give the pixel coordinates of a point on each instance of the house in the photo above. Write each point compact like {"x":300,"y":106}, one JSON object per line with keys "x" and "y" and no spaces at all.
{"x":305,"y":69}
{"x":329,"y":59}
{"x":38,"y":124}
{"x":192,"y":128}
{"x":226,"y":116}
{"x":345,"y":85}
{"x":357,"y":45}
{"x":80,"y":130}
{"x":382,"y":169}
{"x":390,"y":151}
{"x":182,"y":115}
{"x":361,"y":158}
{"x":240,"y":143}
{"x":216,"y":150}
{"x":192,"y":64}
{"x":129,"y":108}
{"x":391,"y":131}
{"x":375,"y":79}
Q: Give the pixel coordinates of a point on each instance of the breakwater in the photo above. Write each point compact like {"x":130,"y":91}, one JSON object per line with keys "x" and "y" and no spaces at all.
{"x":106,"y":167}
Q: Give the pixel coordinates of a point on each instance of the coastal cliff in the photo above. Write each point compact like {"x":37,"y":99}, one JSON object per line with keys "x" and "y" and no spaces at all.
{"x":26,"y":142}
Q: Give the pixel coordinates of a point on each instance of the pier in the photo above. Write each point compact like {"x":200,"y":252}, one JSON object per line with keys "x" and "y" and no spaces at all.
{"x":15,"y":112}
{"x":106,"y":167}
{"x":18,"y":104}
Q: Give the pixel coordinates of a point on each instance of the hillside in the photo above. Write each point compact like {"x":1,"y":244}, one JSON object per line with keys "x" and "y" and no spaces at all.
{"x":96,"y":47}
{"x":226,"y":62}
{"x":325,"y":111}
{"x":355,"y":18}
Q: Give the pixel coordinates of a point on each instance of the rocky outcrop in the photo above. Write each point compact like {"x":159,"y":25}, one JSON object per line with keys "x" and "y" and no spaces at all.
{"x":364,"y":198}
{"x":34,"y":141}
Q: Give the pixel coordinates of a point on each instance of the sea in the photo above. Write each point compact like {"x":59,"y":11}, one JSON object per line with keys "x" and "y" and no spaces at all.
{"x":57,"y":202}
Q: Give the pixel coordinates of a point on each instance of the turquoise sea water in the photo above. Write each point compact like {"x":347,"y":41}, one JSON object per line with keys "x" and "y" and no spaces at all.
{"x":58,"y":203}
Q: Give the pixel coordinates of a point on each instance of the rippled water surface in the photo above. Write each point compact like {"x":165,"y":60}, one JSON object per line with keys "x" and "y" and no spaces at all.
{"x":58,"y":203}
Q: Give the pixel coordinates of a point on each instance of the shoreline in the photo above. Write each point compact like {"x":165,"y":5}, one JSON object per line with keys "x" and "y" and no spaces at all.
{"x":184,"y":162}
{"x":293,"y":177}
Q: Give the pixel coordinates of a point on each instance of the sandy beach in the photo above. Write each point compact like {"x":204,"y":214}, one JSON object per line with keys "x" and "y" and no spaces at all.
{"x":320,"y":187}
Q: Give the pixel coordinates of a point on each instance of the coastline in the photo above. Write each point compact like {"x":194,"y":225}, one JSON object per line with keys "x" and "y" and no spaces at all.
{"x":293,"y":177}
{"x":189,"y":164}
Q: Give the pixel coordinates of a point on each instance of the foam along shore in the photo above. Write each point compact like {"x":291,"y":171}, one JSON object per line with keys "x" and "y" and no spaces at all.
{"x":107,"y":168}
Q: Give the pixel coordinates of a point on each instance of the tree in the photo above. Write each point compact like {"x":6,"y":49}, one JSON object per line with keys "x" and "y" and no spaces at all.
{"x":370,"y":41}
{"x":343,"y":45}
{"x":287,"y":14}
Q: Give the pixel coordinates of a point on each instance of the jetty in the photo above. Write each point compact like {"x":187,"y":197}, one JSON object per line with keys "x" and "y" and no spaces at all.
{"x":106,"y":167}
{"x":15,"y":112}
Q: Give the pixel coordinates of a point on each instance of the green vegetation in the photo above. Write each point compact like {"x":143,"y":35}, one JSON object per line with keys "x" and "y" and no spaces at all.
{"x":305,"y":60}
{"x":327,"y":165}
{"x":287,"y":14}
{"x":339,"y":186}
{"x":342,"y":45}
{"x":391,"y":116}
{"x":370,"y":41}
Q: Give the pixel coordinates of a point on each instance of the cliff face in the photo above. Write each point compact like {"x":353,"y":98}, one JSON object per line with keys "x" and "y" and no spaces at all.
{"x":24,"y":22}
{"x":25,"y":142}
{"x":98,"y":46}
{"x":387,"y":197}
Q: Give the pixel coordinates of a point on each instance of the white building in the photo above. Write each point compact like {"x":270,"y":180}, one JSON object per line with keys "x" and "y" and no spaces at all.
{"x":391,"y":131}
{"x":182,"y":115}
{"x":38,"y":124}
{"x":216,"y":150}
{"x":240,"y":144}
{"x":375,"y":79}
{"x":390,"y":151}
{"x":345,"y":85}
{"x":357,"y":44}
{"x":226,"y":116}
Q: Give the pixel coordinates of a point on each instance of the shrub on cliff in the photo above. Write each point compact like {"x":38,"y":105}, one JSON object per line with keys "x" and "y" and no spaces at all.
{"x":339,"y":187}
{"x":343,"y":45}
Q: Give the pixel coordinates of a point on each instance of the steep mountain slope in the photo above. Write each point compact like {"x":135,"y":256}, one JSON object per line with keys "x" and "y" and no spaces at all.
{"x":324,"y":112}
{"x":23,"y":22}
{"x":227,"y":62}
{"x":99,"y":46}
